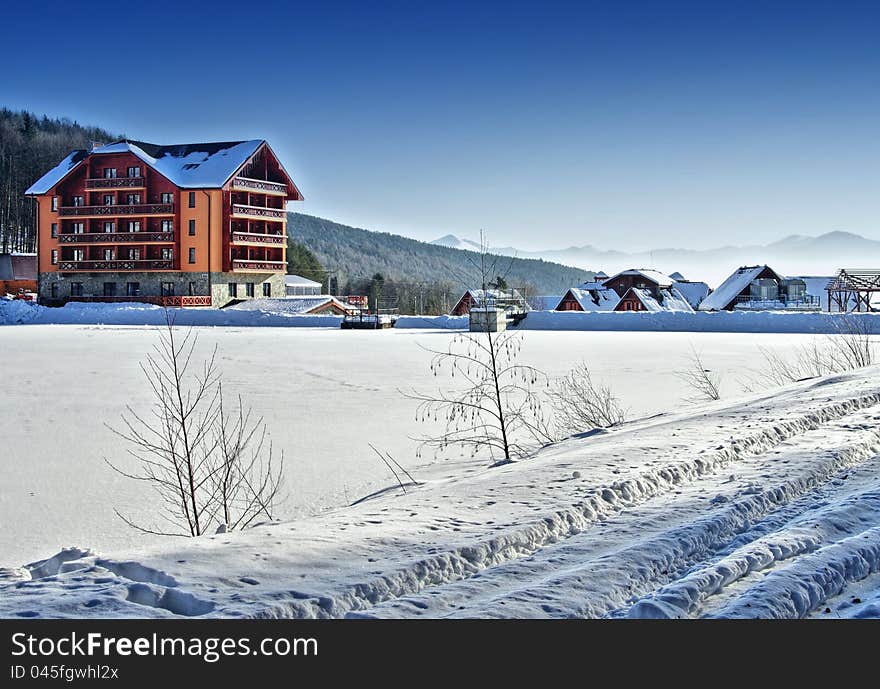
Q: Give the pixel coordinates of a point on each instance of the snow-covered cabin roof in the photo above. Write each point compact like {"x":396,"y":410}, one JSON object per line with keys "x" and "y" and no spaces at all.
{"x":677,"y":276}
{"x":694,"y":292}
{"x":299,"y":281}
{"x":649,"y":274}
{"x":189,"y":166}
{"x":297,"y":304}
{"x":673,"y":300}
{"x":601,"y":275}
{"x":728,"y":290}
{"x":478,"y":294}
{"x":599,"y":299}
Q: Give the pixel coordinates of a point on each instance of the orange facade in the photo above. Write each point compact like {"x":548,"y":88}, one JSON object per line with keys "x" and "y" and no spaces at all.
{"x":115,"y":214}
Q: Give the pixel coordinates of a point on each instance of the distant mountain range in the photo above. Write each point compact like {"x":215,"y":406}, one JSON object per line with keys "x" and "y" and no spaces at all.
{"x":793,"y":255}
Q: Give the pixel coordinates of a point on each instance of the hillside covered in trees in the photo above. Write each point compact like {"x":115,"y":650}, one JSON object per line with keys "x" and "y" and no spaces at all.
{"x":353,"y":255}
{"x":29,"y":147}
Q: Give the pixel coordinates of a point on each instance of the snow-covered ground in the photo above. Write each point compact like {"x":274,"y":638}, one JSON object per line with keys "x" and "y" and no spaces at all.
{"x":766,"y":506}
{"x":325,"y":394}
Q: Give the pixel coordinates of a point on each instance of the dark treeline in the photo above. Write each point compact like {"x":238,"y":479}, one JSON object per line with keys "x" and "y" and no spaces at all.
{"x":30,"y":146}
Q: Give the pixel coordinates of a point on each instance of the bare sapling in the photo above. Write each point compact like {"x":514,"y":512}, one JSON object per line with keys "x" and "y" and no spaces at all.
{"x":703,"y":382}
{"x":580,"y":404}
{"x":210,"y":468}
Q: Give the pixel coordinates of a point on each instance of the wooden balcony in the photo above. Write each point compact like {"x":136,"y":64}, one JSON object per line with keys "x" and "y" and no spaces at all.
{"x":258,"y":212}
{"x":139,"y":209}
{"x":258,"y":239}
{"x":116,"y":183}
{"x":116,"y":238}
{"x":259,"y":186}
{"x":116,"y":265}
{"x":257,"y":266}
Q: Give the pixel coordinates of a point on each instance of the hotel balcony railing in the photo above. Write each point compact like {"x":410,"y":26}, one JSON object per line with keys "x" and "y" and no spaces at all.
{"x":115,"y":237}
{"x":256,"y":238}
{"x":259,"y":266}
{"x":261,"y":186}
{"x":116,"y":183}
{"x":117,"y":265}
{"x":258,"y":212}
{"x":120,"y":209}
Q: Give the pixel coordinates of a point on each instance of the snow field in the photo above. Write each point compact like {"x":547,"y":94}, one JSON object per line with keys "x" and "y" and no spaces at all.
{"x":664,"y":516}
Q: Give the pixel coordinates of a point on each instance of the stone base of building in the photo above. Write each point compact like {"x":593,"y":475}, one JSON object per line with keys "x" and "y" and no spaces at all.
{"x":56,"y":289}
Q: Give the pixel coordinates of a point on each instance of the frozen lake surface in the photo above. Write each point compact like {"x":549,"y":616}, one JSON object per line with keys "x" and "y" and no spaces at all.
{"x":325,"y":394}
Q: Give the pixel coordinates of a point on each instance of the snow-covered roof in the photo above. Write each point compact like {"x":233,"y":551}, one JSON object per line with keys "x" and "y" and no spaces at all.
{"x":673,"y":300}
{"x":189,"y":166}
{"x":600,"y":299}
{"x":677,"y":276}
{"x":295,"y":304}
{"x":299,"y":281}
{"x":694,"y":292}
{"x":477,"y":294}
{"x":729,"y":289}
{"x":655,"y":276}
{"x":57,"y":173}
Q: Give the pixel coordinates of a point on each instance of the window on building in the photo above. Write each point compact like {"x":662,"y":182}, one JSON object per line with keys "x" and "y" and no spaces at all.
{"x":192,"y":255}
{"x":109,"y":227}
{"x":134,"y":172}
{"x":109,"y":199}
{"x":192,"y":289}
{"x":109,"y":289}
{"x":53,"y":290}
{"x":54,"y":203}
{"x":54,"y":257}
{"x":79,"y":227}
{"x":108,"y":254}
{"x":267,"y":289}
{"x":167,"y":197}
{"x":109,"y":173}
{"x":54,"y":229}
{"x":167,"y":254}
{"x":132,"y":199}
{"x":132,"y":289}
{"x":249,"y":289}
{"x":167,"y":289}
{"x":192,"y":228}
{"x":192,"y":199}
{"x":233,"y":289}
{"x":134,"y":225}
{"x":134,"y":254}
{"x":79,"y":254}
{"x":167,"y":226}
{"x":76,"y":289}
{"x":78,"y":201}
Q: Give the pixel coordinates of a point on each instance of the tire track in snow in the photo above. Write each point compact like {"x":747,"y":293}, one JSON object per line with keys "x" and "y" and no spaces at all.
{"x":467,"y":561}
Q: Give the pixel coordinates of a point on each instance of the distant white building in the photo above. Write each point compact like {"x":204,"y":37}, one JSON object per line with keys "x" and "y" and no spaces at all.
{"x":760,"y":288}
{"x":297,"y":285}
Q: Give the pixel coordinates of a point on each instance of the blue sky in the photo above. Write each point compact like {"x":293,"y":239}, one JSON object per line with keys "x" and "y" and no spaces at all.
{"x":623,"y":125}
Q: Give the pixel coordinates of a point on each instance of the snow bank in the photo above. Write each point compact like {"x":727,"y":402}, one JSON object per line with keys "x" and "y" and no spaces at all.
{"x":13,"y":312}
{"x":720,"y":322}
{"x":443,"y":322}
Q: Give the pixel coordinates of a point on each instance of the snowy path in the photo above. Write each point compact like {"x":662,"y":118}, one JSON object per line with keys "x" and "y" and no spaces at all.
{"x":768,"y":507}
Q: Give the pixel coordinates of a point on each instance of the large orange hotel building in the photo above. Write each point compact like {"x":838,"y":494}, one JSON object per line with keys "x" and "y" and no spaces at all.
{"x":183,"y":225}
